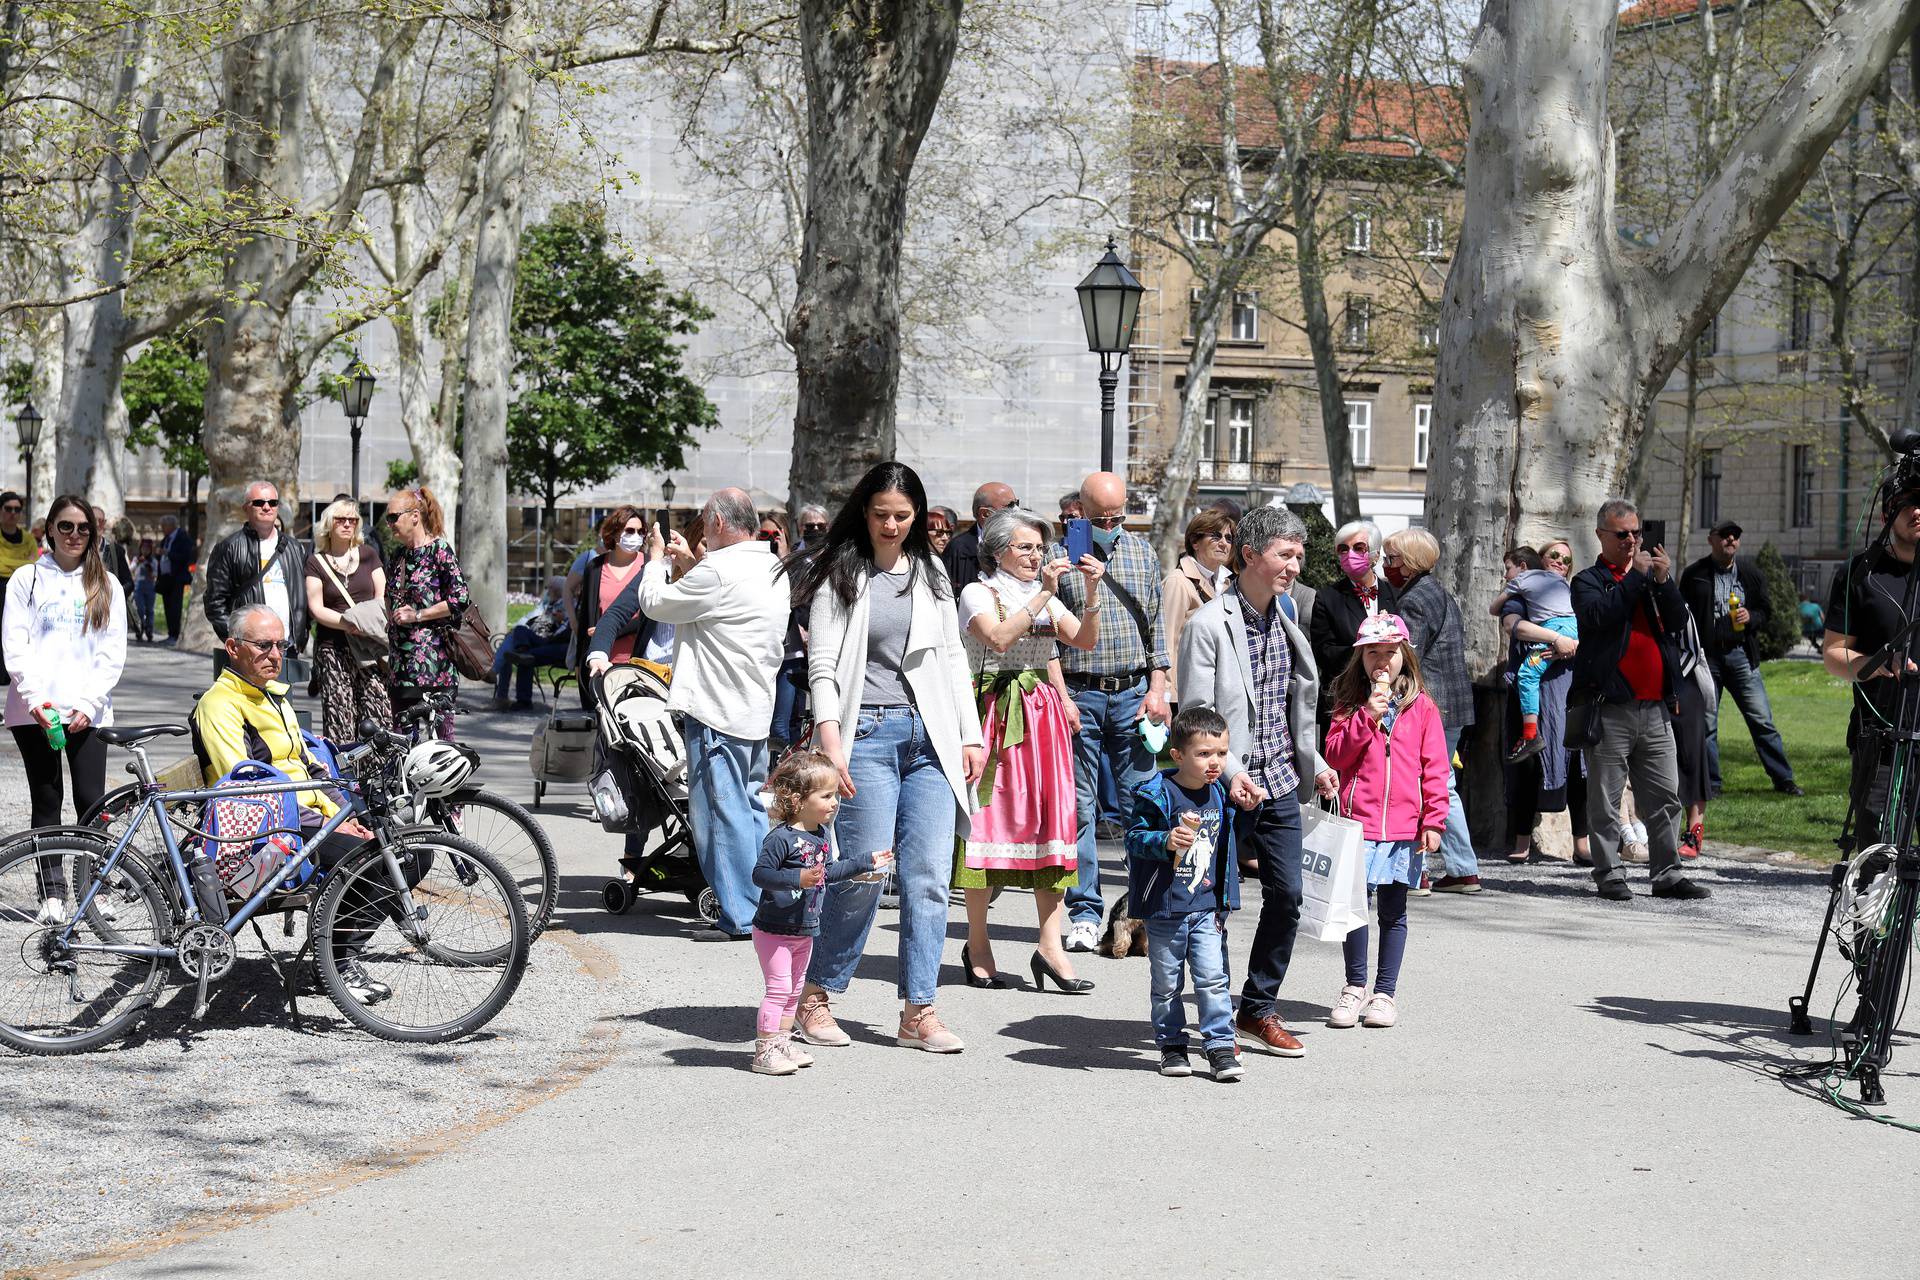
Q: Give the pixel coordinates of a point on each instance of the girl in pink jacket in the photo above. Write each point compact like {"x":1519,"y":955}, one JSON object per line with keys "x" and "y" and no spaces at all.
{"x":1387,"y":745}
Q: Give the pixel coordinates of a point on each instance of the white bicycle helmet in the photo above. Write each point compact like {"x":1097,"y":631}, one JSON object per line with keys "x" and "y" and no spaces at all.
{"x":436,"y":769}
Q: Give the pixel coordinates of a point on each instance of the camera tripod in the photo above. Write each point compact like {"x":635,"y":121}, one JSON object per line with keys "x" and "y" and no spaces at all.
{"x":1877,"y":881}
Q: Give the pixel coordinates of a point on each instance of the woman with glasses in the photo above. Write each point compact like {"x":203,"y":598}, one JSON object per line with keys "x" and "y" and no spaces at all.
{"x":65,"y":639}
{"x":1346,"y":602}
{"x":623,"y":535}
{"x":1201,"y":575}
{"x":426,"y":594}
{"x":345,"y":587}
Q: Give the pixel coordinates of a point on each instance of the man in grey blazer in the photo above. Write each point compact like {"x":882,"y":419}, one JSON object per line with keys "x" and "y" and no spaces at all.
{"x":1243,"y":655}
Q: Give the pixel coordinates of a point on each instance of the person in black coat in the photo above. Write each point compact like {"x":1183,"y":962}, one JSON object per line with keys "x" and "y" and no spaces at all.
{"x":1731,"y":607}
{"x":1340,"y":607}
{"x":962,"y":556}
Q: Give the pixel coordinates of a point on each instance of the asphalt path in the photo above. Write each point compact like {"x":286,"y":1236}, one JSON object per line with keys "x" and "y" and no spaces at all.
{"x":1575,"y":1087}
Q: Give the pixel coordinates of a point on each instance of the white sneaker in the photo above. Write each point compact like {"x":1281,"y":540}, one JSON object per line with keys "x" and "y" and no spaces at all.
{"x":1083,"y":935}
{"x":52,"y":911}
{"x":1379,"y":1012}
{"x":1346,"y":1010}
{"x":1634,"y":832}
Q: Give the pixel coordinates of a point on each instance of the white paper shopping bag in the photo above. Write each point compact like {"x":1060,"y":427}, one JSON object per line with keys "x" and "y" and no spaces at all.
{"x":1333,"y":875}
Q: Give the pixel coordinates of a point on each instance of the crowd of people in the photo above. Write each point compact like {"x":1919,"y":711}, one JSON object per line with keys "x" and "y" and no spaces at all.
{"x":954,"y":708}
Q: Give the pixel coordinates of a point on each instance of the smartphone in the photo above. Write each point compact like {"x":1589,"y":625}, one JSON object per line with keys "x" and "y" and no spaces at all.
{"x":1079,"y":539}
{"x":1653,"y":533}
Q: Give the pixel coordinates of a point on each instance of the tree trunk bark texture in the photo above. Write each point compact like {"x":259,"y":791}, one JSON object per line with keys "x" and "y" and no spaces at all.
{"x":1555,"y":338}
{"x":1329,"y":387}
{"x":1183,"y":460}
{"x":874,"y":70}
{"x":251,"y":432}
{"x":94,"y":355}
{"x":482,"y":538}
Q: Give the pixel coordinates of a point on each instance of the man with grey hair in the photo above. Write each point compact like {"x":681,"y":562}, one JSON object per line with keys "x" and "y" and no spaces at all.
{"x":1631,"y":615}
{"x":729,"y":614}
{"x":1242,"y":654}
{"x":259,"y":563}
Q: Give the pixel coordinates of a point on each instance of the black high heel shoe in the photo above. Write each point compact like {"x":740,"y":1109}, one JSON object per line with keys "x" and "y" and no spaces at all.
{"x":1072,"y":986}
{"x":992,"y":981}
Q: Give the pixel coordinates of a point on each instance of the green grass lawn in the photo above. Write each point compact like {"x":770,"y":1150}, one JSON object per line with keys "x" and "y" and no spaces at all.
{"x":1810,"y":707}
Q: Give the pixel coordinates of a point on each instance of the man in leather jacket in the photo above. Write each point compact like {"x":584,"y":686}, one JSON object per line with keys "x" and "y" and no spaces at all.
{"x":258,"y":563}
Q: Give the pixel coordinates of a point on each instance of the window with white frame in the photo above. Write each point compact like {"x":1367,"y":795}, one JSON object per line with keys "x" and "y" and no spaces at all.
{"x":1246,"y":317}
{"x":1360,"y":431}
{"x":1356,"y":330}
{"x":1706,"y":491}
{"x":1193,"y":313}
{"x":1427,"y":329}
{"x":1210,"y":433}
{"x":1359,"y":229}
{"x":1433,"y":234}
{"x":1422,"y":433}
{"x":1200,"y":219}
{"x":1240,"y":429}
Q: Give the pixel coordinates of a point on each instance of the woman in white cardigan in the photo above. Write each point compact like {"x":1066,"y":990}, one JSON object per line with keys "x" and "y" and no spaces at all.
{"x":893,"y":708}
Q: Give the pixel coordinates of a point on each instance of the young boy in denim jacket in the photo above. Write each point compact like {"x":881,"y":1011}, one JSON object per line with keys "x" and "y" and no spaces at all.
{"x":1182,"y":881}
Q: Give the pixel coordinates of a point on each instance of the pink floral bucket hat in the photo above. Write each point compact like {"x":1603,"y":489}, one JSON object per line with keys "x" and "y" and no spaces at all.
{"x":1383,"y":628}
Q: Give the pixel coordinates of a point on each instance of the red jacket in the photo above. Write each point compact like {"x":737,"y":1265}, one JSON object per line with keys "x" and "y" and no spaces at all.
{"x":1395,"y":788}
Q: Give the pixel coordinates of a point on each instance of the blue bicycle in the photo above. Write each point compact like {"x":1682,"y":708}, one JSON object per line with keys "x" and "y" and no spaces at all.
{"x":417,"y":934}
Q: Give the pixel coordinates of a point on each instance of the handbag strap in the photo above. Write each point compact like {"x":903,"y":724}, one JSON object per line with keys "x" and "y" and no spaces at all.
{"x":334,"y":577}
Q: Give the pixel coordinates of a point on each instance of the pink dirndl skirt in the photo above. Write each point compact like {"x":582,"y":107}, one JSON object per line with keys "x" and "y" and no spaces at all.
{"x":1030,"y":822}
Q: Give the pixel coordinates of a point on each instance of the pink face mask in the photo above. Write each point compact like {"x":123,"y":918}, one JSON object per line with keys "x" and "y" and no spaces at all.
{"x":1355,"y":564}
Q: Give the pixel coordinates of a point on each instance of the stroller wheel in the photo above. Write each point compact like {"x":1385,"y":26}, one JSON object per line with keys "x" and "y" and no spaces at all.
{"x":618,"y":895}
{"x":707,"y":903}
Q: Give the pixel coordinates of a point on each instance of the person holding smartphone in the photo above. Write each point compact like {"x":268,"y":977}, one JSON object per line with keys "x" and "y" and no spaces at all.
{"x":1631,"y":615}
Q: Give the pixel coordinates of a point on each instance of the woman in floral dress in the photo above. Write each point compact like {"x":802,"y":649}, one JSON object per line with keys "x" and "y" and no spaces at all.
{"x":426,"y":594}
{"x":1025,"y":833}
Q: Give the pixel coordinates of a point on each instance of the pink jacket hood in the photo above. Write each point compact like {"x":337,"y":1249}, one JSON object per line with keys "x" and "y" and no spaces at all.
{"x":1396,"y":788}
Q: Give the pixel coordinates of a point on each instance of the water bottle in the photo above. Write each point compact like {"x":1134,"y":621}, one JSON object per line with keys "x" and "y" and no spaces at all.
{"x":1733,"y":610}
{"x":208,"y":891}
{"x":56,"y":732}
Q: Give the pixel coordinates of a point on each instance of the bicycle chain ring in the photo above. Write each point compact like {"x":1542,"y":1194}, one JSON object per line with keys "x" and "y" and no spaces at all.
{"x":206,"y":946}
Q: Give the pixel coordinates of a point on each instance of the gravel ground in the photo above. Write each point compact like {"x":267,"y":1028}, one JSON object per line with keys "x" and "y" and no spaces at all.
{"x":238,"y":1110}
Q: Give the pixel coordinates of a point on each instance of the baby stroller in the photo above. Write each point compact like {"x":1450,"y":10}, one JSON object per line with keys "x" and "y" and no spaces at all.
{"x":640,"y":785}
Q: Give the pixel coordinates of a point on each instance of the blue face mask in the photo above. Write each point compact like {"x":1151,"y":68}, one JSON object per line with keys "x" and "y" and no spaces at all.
{"x":1103,"y":538}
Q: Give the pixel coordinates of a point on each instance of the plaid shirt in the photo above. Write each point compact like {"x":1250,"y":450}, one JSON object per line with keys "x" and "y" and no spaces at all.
{"x":1132,"y":564}
{"x":1270,"y":759}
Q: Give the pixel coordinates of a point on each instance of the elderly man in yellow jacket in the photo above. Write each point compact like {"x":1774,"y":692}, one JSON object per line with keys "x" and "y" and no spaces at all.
{"x":246,"y":716}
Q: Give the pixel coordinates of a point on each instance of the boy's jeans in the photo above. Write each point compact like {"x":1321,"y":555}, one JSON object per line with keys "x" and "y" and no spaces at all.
{"x":1174,"y":945}
{"x":1539,"y":658}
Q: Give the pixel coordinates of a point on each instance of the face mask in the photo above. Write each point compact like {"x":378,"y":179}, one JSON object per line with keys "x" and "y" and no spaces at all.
{"x":1103,"y":538}
{"x":631,"y":542}
{"x":1355,"y":564}
{"x":1396,"y":575}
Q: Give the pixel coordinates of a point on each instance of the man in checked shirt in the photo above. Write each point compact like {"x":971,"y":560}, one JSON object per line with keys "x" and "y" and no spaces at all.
{"x":1109,"y":690}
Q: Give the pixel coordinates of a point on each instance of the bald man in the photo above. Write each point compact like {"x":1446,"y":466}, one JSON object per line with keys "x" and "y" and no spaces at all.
{"x":962,"y":556}
{"x":1112,"y":688}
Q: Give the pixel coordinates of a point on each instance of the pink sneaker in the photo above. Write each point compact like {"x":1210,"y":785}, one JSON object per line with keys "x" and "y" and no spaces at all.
{"x":814,"y":1024}
{"x":924,"y":1030}
{"x":1346,"y":1010}
{"x":795,"y":1054}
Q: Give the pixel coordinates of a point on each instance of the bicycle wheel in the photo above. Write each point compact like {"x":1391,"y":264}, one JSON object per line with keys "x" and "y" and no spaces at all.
{"x":516,"y":838}
{"x":54,"y":1001}
{"x":447,"y":984}
{"x":117,"y":808}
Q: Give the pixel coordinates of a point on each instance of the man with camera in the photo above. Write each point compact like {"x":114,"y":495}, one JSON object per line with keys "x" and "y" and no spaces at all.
{"x":1630,"y":613}
{"x":1866,"y":611}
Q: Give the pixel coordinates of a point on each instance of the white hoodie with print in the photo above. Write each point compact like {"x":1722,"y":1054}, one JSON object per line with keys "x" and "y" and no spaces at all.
{"x":51,"y":654}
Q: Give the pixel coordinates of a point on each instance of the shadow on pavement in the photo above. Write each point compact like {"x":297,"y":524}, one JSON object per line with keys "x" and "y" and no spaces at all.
{"x":1083,"y":1044}
{"x":1742,"y":1036}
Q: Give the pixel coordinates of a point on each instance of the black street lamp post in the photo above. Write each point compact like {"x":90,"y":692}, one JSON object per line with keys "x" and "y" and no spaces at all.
{"x":1109,"y":304}
{"x":29,"y":422}
{"x":356,"y":395}
{"x":666,"y":517}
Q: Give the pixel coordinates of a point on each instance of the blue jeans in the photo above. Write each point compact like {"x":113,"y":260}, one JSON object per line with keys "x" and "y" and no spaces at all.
{"x":1270,"y":831}
{"x":902,"y":802}
{"x":789,"y":701}
{"x":143,"y":593}
{"x":1109,"y":730}
{"x":1732,"y":673}
{"x":1456,"y":842}
{"x":524,"y":650}
{"x":1391,"y":900}
{"x":724,"y":775}
{"x":1174,"y":945}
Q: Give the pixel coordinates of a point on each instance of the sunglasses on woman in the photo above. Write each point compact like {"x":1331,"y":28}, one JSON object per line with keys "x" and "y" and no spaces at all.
{"x":73,"y":528}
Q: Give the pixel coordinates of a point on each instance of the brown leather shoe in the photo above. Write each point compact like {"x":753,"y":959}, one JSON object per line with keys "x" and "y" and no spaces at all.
{"x":1269,"y":1035}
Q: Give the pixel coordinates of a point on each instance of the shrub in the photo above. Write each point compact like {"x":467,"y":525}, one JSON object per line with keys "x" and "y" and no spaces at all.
{"x":1782,"y":631}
